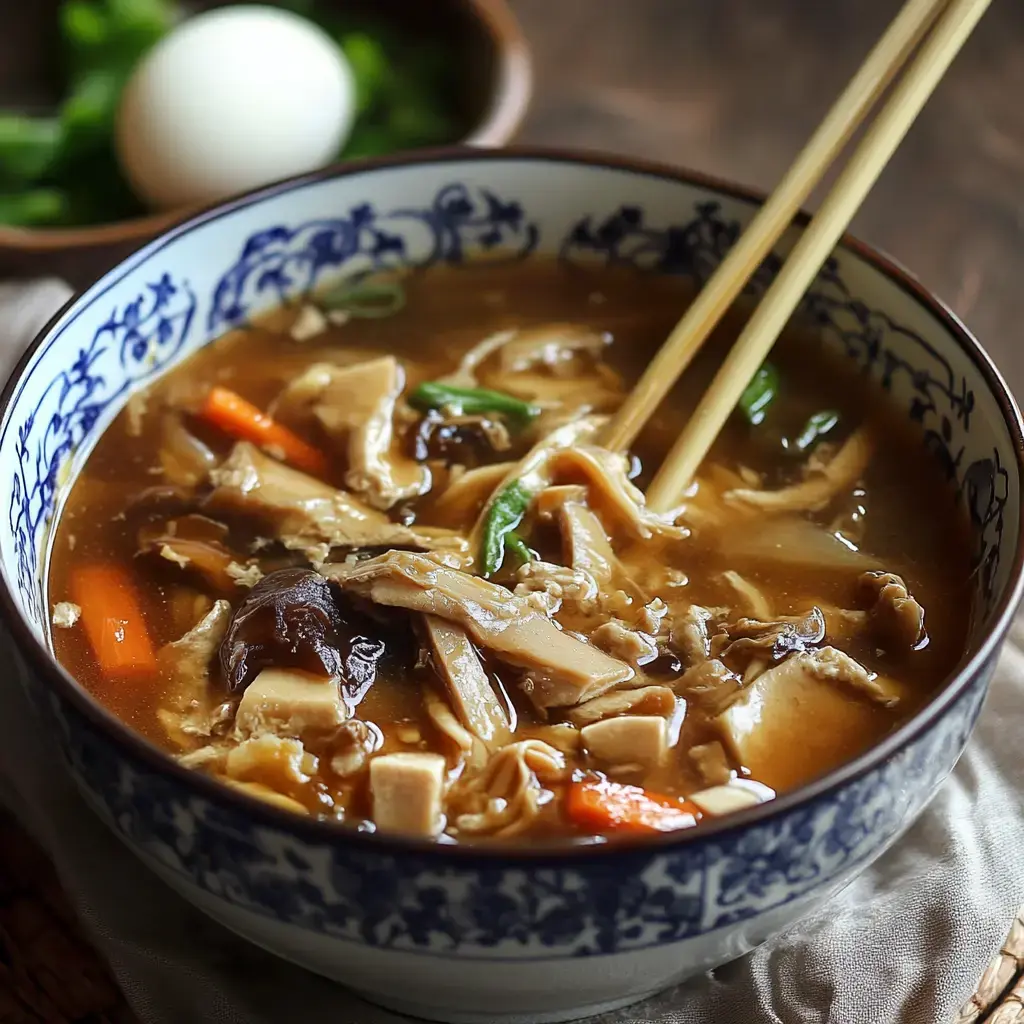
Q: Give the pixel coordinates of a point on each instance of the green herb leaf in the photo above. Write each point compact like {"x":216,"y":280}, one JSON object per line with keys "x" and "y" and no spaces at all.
{"x":365,"y":299}
{"x":371,"y":69}
{"x":517,"y":547}
{"x":112,"y":35}
{"x":759,"y":394}
{"x":504,"y":515}
{"x":471,"y":401}
{"x":28,"y":146}
{"x":35,"y":207}
{"x":815,"y":429}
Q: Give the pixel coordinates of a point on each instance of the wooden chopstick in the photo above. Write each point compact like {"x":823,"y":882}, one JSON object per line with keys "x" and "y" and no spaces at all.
{"x":814,"y":247}
{"x":875,"y":74}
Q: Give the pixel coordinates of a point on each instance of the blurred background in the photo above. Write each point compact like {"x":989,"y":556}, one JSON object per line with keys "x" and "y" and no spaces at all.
{"x":734,"y":87}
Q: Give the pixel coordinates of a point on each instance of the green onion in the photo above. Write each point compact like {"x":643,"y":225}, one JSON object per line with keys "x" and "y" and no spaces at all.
{"x":365,"y":299}
{"x":759,"y":394}
{"x":504,"y":515}
{"x":515,"y":545}
{"x":471,"y":401}
{"x":815,"y":429}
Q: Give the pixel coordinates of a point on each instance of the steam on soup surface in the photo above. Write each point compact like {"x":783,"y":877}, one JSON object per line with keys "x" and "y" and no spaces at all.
{"x":381,"y":570}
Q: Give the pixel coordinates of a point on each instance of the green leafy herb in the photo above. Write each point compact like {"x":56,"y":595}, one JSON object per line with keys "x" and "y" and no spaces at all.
{"x":112,"y":35}
{"x":471,"y":401}
{"x":759,"y":394}
{"x":517,"y":547}
{"x":406,"y":96}
{"x":28,"y":146}
{"x":504,"y":515}
{"x":34,"y":207}
{"x":370,"y":67}
{"x":365,"y":299}
{"x":815,"y":429}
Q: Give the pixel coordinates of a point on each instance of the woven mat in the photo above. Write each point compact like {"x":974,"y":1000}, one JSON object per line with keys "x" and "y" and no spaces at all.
{"x":49,"y":973}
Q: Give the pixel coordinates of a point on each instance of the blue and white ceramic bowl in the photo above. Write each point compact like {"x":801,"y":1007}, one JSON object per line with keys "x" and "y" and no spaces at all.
{"x":539,"y":934}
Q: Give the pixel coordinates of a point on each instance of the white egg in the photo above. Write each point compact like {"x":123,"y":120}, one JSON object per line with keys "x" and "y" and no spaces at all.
{"x":231,"y":100}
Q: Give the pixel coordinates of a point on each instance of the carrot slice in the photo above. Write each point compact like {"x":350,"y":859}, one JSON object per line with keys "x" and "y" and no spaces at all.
{"x":113,"y":621}
{"x":240,"y":419}
{"x":611,"y":806}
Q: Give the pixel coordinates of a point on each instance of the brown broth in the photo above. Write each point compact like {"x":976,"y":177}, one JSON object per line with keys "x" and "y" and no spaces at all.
{"x":912,"y":523}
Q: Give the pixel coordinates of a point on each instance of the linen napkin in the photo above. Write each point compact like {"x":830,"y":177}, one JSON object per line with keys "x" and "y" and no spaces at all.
{"x":905,"y":943}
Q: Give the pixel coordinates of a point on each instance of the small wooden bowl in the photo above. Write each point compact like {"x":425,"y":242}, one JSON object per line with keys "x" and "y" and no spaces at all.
{"x":495,"y":87}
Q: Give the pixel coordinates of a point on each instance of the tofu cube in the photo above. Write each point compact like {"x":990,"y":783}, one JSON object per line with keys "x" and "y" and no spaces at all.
{"x":290,"y":703}
{"x":407,"y":790}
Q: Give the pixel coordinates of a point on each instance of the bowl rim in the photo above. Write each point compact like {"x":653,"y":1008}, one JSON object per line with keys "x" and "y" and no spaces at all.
{"x":511,"y":92}
{"x":547,"y":852}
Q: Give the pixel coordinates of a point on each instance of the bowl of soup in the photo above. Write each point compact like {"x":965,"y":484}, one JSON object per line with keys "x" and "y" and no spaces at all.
{"x":352,"y":628}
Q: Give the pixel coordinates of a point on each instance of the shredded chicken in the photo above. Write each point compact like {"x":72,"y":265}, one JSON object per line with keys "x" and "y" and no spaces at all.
{"x":307,"y":514}
{"x":507,"y":796}
{"x":356,"y":407}
{"x":829,"y":663}
{"x":569,"y":452}
{"x":753,"y":602}
{"x":642,"y":700}
{"x":560,"y":585}
{"x":556,"y":366}
{"x":823,"y":484}
{"x":351,"y":748}
{"x":712,"y":763}
{"x":563,"y":670}
{"x":689,"y":635}
{"x":553,"y":347}
{"x":244,"y":575}
{"x":279,"y":762}
{"x":628,"y":645}
{"x":66,"y":614}
{"x":710,"y":685}
{"x":895,"y":615}
{"x":189,"y":710}
{"x":466,"y":374}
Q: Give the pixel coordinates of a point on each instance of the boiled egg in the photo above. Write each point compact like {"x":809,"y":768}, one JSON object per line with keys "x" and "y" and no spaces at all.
{"x":230,"y":100}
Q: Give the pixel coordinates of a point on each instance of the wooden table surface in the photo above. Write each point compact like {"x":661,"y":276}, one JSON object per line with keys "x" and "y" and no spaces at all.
{"x":734,"y":87}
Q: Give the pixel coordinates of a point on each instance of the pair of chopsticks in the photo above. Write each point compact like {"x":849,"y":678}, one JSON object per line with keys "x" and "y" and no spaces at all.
{"x":937,"y":29}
